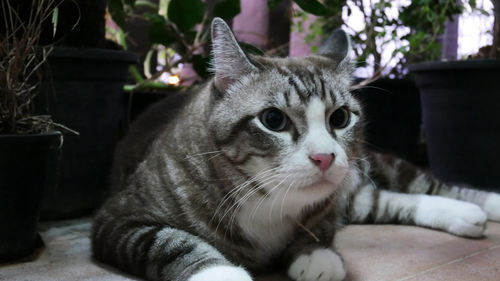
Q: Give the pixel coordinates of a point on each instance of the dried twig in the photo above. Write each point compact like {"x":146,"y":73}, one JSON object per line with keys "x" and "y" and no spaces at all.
{"x":20,"y":61}
{"x":313,"y":236}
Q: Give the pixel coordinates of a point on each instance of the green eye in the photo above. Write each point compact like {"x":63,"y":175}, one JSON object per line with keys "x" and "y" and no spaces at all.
{"x":274,"y":119}
{"x":340,"y":118}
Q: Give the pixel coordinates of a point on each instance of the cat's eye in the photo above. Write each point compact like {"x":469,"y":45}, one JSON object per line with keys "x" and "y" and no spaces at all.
{"x":274,"y":119}
{"x":340,"y":118}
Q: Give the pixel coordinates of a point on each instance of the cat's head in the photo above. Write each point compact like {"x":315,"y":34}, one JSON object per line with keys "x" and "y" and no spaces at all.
{"x":289,"y":122}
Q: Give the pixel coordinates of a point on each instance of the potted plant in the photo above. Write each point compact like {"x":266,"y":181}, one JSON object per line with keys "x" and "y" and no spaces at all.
{"x":460,"y":105}
{"x":83,"y":90}
{"x":29,"y":143}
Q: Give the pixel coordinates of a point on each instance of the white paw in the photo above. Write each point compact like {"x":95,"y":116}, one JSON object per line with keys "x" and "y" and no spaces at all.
{"x":457,"y":217}
{"x":320,"y":265}
{"x":492,"y":206}
{"x":221,"y":273}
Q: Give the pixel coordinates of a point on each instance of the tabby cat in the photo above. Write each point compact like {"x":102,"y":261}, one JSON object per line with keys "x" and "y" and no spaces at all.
{"x":257,"y":169}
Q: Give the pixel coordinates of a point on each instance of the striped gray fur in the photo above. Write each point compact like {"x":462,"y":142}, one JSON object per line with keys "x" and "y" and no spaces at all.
{"x":203,"y":189}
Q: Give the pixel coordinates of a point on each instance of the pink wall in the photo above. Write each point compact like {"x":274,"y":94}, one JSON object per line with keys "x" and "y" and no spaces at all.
{"x":252,"y":24}
{"x":298,"y":45}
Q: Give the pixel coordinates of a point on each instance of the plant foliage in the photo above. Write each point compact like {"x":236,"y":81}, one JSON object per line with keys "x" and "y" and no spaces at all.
{"x":414,"y":27}
{"x":20,"y":64}
{"x":184,"y":26}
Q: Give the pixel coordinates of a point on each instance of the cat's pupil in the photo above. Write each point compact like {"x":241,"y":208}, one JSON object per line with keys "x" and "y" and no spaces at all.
{"x":339,"y":118}
{"x":274,"y":119}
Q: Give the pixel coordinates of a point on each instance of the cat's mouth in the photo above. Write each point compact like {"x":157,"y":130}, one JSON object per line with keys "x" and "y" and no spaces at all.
{"x":322,"y":180}
{"x":325,"y":181}
{"x":320,"y":183}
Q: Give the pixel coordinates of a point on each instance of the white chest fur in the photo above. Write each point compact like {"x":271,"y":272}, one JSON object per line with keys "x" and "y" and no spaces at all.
{"x":260,"y":221}
{"x":269,"y":221}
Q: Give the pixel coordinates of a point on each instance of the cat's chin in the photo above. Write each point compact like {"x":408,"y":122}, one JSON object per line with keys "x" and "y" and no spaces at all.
{"x":321,"y":184}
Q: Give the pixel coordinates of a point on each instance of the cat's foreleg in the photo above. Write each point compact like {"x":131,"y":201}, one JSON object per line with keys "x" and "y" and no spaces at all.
{"x":371,"y":205}
{"x":397,"y":175}
{"x":488,"y":201}
{"x":427,"y":184}
{"x":312,"y":257}
{"x":159,"y":252}
{"x":322,"y":264}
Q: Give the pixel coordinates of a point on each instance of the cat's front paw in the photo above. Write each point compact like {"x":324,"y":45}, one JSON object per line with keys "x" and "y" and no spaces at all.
{"x":221,"y":273}
{"x":492,"y":206}
{"x":320,"y":265}
{"x":457,"y":217}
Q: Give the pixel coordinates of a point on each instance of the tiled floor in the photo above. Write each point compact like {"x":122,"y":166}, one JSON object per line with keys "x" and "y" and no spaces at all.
{"x":371,"y":252}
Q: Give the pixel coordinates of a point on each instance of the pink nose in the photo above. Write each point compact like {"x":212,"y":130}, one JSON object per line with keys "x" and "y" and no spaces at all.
{"x":322,"y":160}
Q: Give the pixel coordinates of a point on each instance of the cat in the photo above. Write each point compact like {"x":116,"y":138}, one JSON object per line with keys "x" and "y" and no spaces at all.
{"x":257,"y":168}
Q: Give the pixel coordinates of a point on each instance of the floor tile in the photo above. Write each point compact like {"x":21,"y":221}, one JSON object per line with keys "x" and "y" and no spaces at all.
{"x":483,"y":265}
{"x":371,"y":252}
{"x":390,"y":252}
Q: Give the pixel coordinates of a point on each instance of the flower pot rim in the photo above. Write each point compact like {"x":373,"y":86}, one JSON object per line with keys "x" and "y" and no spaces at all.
{"x":30,"y":137}
{"x":93,"y":54}
{"x":454,"y":65}
{"x":384,"y":79}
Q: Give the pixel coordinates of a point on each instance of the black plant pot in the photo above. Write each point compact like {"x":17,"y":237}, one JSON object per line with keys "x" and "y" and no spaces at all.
{"x":85,"y":93}
{"x":461,"y":103}
{"x":27,"y":164}
{"x":392,"y":116}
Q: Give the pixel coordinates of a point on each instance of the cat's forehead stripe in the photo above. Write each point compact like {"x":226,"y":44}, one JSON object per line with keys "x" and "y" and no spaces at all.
{"x":306,"y":83}
{"x":323,"y":90}
{"x":286,"y":95}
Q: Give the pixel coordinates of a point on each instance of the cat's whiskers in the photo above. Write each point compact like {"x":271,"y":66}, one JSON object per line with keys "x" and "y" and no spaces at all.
{"x":355,"y":166}
{"x":363,"y":159}
{"x":196,"y":161}
{"x":239,"y":204}
{"x":270,"y":224}
{"x":236,"y":207}
{"x":216,"y":155}
{"x":235,"y":192}
{"x":254,"y":211}
{"x":202,"y":154}
{"x":284,"y":200}
{"x":271,"y":210}
{"x":363,"y":141}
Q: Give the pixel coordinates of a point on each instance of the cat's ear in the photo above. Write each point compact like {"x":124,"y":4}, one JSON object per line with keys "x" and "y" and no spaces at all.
{"x":229,"y":62}
{"x":337,"y":46}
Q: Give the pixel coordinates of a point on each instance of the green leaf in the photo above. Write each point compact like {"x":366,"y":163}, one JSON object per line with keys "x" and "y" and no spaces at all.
{"x":483,"y":12}
{"x":272,"y":4}
{"x":117,"y":12}
{"x":227,"y":9}
{"x":158,"y":31}
{"x":148,"y":4}
{"x":131,"y":3}
{"x":186,"y":13}
{"x":311,"y":6}
{"x":55,"y":20}
{"x":136,"y":75}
